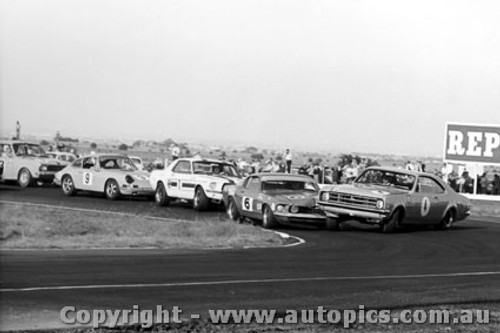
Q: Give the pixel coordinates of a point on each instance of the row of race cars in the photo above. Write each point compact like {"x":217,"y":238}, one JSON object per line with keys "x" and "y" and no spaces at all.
{"x":387,"y":197}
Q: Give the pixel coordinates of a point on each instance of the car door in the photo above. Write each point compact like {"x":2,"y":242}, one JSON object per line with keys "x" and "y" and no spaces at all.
{"x":85,"y":176}
{"x":246,"y":195}
{"x":427,"y":203}
{"x":180,"y":183}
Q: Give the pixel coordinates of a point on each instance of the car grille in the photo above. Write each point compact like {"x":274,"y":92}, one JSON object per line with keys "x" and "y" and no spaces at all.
{"x":55,"y":168}
{"x":354,"y":200}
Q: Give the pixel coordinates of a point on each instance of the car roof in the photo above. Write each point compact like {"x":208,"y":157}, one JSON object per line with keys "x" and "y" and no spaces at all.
{"x":282,"y":176}
{"x":104,"y":155}
{"x":403,"y":171}
{"x":8,"y":142}
{"x":208,"y":160}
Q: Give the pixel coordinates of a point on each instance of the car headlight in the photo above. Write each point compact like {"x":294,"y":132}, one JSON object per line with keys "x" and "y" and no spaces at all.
{"x":325,"y":196}
{"x":43,"y":167}
{"x":380,"y":204}
{"x":294,"y":209}
{"x":129,"y":179}
{"x":212,"y":185}
{"x":280,"y":208}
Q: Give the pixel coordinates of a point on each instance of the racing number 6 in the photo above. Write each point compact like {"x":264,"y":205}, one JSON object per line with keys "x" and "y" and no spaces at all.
{"x":247,"y":203}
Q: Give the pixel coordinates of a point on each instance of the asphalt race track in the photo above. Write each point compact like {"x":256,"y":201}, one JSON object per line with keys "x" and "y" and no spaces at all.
{"x":360,"y":266}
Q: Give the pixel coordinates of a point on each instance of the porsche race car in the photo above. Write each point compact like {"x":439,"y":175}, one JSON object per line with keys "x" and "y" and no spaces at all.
{"x":114,"y":175}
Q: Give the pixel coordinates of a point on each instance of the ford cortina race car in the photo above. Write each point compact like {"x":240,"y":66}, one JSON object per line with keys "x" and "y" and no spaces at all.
{"x":275,"y":198}
{"x":195,"y":179}
{"x":115,"y":175}
{"x":26,"y":163}
{"x":392,"y":197}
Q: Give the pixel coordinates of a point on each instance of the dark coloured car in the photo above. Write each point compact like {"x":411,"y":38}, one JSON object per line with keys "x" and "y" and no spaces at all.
{"x":393,"y":197}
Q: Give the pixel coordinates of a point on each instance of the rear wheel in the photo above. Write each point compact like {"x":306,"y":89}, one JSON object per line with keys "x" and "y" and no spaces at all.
{"x":232,"y":210}
{"x":68,"y":186}
{"x":200,"y":201}
{"x":112,"y":190}
{"x":24,"y":178}
{"x":447,"y":222}
{"x":161,"y":196}
{"x":393,"y":223}
{"x":268,"y":219}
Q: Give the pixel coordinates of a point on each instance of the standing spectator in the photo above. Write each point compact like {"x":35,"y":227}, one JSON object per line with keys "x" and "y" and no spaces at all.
{"x":446,"y":171}
{"x":351,"y":172}
{"x":288,"y":161}
{"x":496,"y":184}
{"x":335,"y":174}
{"x":409,"y":166}
{"x":176,"y":151}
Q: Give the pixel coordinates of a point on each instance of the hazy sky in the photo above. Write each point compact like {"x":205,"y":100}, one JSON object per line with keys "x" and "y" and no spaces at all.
{"x":369,"y":76}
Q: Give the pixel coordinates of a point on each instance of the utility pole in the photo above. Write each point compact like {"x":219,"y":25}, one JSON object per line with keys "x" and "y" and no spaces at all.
{"x":18,"y":130}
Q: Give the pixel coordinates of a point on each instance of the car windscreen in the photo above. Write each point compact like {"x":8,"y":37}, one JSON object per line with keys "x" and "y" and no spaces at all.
{"x":386,"y":178}
{"x":28,"y":149}
{"x":289,"y":185}
{"x":215,"y":169}
{"x":117,"y":163}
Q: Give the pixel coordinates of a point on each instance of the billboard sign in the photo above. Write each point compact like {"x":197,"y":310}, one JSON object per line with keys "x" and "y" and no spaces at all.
{"x":472,"y":144}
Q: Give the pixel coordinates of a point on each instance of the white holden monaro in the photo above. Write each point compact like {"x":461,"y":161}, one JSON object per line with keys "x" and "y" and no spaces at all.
{"x":195,"y":179}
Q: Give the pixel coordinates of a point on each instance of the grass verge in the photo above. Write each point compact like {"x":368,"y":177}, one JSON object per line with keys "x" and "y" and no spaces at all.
{"x":29,"y":227}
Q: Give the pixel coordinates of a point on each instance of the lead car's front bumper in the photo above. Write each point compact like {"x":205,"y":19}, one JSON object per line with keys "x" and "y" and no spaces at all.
{"x":368,"y":215}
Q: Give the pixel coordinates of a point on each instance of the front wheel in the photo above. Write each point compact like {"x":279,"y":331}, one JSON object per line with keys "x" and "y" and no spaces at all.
{"x":232,"y":210}
{"x":391,"y":225}
{"x":268,"y":219}
{"x":24,"y":178}
{"x":332,"y":224}
{"x":200,"y":201}
{"x":68,"y":186}
{"x":161,"y":196}
{"x":112,"y":190}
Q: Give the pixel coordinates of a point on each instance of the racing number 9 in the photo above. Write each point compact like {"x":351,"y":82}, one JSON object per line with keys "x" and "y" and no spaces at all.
{"x":87,"y":178}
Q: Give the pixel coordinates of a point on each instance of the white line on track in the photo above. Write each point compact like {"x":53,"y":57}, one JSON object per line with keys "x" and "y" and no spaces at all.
{"x":277,"y":280}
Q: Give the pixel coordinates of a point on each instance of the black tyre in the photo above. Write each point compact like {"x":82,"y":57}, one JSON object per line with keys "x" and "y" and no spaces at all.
{"x":268,"y":219}
{"x":161,"y":196}
{"x":200,"y":200}
{"x":447,"y":221}
{"x":112,"y":190}
{"x":24,"y":178}
{"x":393,"y":223}
{"x":232,"y":210}
{"x":332,"y":224}
{"x":68,"y":186}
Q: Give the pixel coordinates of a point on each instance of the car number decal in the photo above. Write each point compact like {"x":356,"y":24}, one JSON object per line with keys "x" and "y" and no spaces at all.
{"x":246,"y":204}
{"x":425,"y":207}
{"x":87,"y":179}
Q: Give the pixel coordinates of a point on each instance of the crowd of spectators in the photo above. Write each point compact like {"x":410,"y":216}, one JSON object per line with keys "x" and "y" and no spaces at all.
{"x":488,"y":182}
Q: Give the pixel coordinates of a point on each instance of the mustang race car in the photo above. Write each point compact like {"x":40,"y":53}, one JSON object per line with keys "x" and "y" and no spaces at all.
{"x":275,"y":198}
{"x":392,"y":197}
{"x":115,"y":175}
{"x":196,"y":179}
{"x":26,"y":162}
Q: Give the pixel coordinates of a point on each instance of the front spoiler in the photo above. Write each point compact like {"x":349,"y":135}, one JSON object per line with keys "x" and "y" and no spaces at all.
{"x":335,"y":212}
